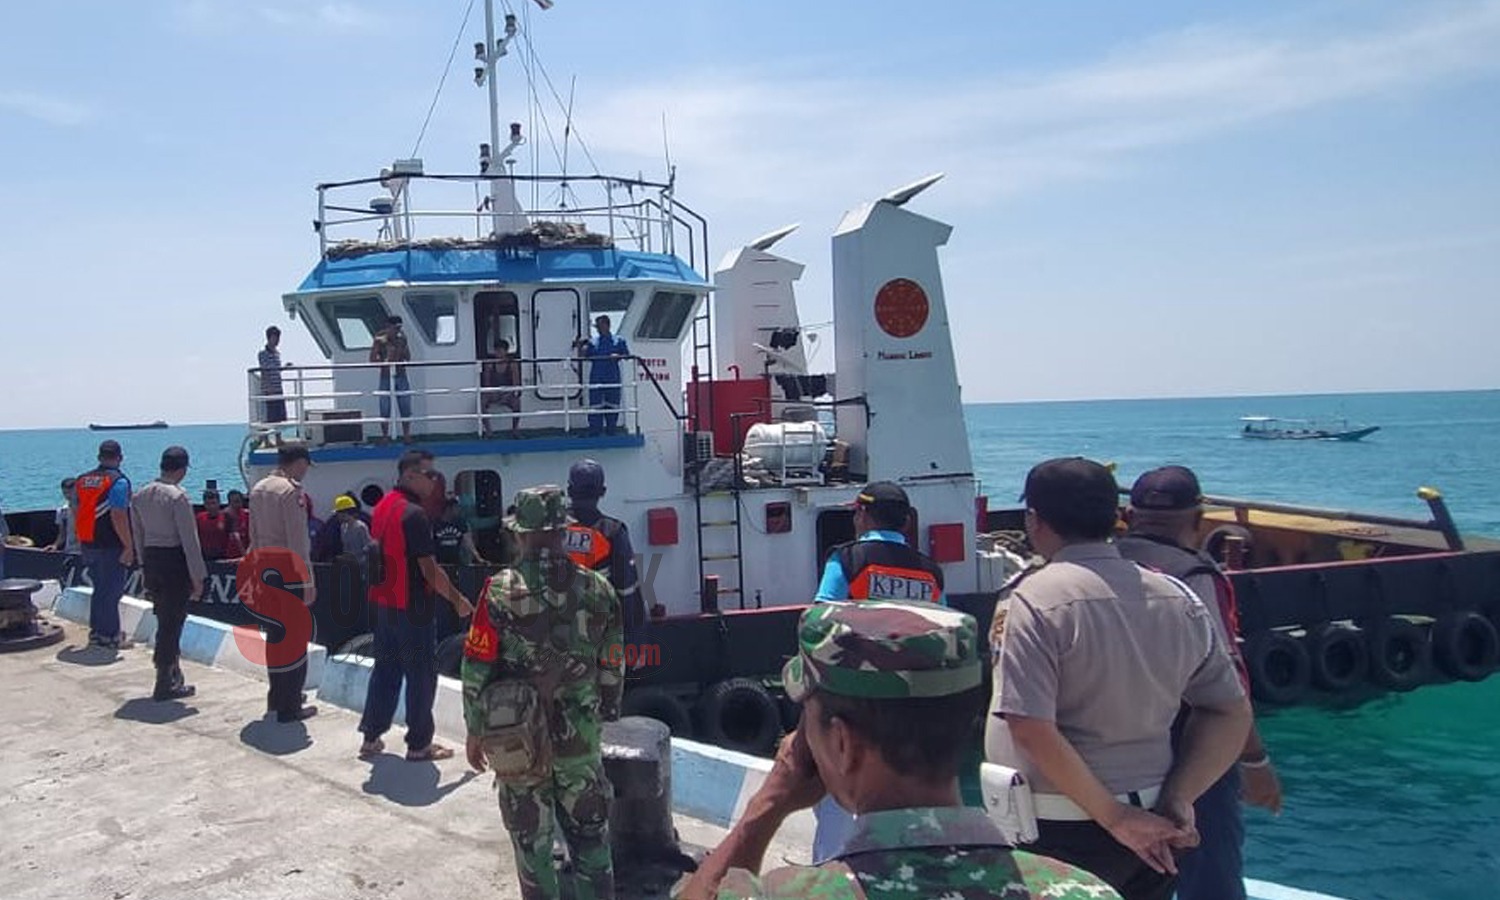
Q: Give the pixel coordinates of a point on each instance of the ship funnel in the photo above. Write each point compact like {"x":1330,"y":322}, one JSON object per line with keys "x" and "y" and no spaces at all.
{"x":755,"y":305}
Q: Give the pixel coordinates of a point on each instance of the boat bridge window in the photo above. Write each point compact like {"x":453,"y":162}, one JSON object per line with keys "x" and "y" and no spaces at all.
{"x":436,"y":314}
{"x":613,"y":304}
{"x":354,"y":320}
{"x":664,"y":318}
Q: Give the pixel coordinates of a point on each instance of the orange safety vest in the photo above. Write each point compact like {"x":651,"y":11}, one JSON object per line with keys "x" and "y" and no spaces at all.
{"x":93,"y":524}
{"x":589,"y":546}
{"x":885,"y":570}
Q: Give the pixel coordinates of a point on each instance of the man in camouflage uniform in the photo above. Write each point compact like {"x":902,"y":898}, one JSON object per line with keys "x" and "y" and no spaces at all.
{"x":891,"y":697}
{"x":557,"y":625}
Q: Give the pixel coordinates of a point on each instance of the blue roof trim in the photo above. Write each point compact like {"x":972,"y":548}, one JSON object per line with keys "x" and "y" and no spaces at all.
{"x":426,"y":266}
{"x":444,"y":449}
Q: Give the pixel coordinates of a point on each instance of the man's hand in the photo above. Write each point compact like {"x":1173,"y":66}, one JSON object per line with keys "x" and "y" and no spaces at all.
{"x":197,"y":589}
{"x":309,"y":594}
{"x":1259,"y":786}
{"x":794,"y":782}
{"x":1184,"y":815}
{"x":127,"y":557}
{"x":475,"y":751}
{"x":1148,"y":835}
{"x":461,"y":605}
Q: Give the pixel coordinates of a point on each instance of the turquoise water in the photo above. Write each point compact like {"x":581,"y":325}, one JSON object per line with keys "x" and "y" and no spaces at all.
{"x":1387,"y":801}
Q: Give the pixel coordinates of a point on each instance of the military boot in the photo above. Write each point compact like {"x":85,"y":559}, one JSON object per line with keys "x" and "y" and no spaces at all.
{"x":169,"y":685}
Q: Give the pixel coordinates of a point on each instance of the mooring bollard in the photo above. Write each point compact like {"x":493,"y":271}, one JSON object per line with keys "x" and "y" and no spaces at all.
{"x":20,"y":627}
{"x":643,"y":839}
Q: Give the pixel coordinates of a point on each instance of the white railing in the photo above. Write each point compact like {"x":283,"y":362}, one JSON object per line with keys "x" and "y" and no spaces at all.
{"x":309,"y":391}
{"x":371,"y":213}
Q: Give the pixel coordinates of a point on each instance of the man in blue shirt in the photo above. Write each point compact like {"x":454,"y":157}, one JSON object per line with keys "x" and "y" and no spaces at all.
{"x":880,"y":565}
{"x":108,"y":543}
{"x":604,"y":354}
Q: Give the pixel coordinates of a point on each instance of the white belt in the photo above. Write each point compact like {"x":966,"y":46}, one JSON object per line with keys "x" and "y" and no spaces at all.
{"x":1058,"y":808}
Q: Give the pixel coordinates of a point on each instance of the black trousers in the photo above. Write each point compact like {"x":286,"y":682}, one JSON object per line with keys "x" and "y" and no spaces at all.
{"x":285,"y":694}
{"x":169,"y":584}
{"x":1088,"y":846}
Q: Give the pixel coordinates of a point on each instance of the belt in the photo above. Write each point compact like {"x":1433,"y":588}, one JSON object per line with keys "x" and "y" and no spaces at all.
{"x":1058,"y":808}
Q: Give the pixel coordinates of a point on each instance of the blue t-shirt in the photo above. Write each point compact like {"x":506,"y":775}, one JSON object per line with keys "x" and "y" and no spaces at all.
{"x":602,"y":369}
{"x":119,"y":492}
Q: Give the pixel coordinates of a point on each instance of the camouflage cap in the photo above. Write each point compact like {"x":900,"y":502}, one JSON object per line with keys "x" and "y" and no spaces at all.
{"x":541,"y":508}
{"x":884,"y":650}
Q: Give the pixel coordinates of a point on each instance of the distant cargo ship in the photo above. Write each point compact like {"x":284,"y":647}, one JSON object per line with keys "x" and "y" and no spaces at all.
{"x":136,"y":427}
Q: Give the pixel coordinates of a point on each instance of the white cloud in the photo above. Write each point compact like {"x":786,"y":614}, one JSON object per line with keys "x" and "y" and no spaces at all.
{"x":336,"y":16}
{"x":44,"y":108}
{"x":743,"y":133}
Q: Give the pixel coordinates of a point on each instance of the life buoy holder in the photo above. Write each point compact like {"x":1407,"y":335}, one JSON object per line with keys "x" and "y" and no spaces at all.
{"x":1465,"y":645}
{"x":1338,"y":656}
{"x":739,"y":714}
{"x":1280,"y":667}
{"x":1400,"y":654}
{"x":655,"y":703}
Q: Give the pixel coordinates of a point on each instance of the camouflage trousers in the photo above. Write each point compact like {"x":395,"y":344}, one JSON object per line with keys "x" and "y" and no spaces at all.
{"x":576,"y":798}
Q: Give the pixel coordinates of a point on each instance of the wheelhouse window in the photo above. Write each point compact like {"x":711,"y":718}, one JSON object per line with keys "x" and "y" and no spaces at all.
{"x":613,"y":304}
{"x":354,"y":320}
{"x":666,"y":315}
{"x":436,"y":315}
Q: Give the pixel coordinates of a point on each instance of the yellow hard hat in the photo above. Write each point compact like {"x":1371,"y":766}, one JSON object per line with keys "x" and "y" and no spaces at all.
{"x":343,"y":502}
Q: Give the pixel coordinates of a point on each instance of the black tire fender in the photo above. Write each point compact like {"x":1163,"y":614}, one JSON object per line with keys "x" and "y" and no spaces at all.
{"x":1280,"y":667}
{"x":655,"y":703}
{"x":1400,"y":654}
{"x":1339,"y":657}
{"x":450,"y":655}
{"x":739,"y":714}
{"x":1465,"y":645}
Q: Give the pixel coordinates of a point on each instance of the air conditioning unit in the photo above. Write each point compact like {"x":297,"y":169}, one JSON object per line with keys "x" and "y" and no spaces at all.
{"x":328,"y":426}
{"x":698,"y":447}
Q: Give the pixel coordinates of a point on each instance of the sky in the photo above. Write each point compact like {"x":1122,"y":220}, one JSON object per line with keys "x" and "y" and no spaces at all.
{"x":1164,"y":199}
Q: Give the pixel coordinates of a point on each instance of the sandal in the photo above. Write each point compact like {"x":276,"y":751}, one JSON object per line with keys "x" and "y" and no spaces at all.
{"x":431,"y":752}
{"x":371,"y":748}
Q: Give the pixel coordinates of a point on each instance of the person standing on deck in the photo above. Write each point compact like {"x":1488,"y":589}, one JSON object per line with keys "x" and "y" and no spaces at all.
{"x":269,"y":362}
{"x":602,"y":543}
{"x":499,"y":377}
{"x":172,"y":567}
{"x":604,"y":354}
{"x":213,"y":528}
{"x":878,"y":566}
{"x":1165,"y":513}
{"x":278,"y":524}
{"x":1095,"y":657}
{"x":453,"y":539}
{"x":546,"y":634}
{"x":404,"y":604}
{"x":237,"y":522}
{"x":67,"y":514}
{"x":108,"y":544}
{"x":391,"y":349}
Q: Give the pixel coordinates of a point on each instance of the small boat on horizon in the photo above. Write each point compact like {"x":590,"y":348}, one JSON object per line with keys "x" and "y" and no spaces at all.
{"x":93,"y":426}
{"x":1270,"y":428}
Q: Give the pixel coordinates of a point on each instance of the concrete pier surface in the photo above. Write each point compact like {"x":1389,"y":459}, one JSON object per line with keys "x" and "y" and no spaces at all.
{"x":107,"y":794}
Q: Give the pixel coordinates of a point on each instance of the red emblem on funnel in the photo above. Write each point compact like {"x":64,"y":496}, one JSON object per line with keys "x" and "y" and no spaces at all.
{"x":901,"y":308}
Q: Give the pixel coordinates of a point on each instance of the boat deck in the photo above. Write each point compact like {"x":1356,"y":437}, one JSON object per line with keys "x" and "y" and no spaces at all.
{"x":1416,"y":538}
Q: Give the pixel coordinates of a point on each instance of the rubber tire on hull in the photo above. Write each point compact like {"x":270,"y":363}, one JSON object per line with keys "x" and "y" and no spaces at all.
{"x":1280,"y":667}
{"x":1400,"y":655}
{"x":1339,"y":657}
{"x":450,"y":655}
{"x":359,"y":645}
{"x":657,"y":704}
{"x":1465,"y":645}
{"x":739,"y":714}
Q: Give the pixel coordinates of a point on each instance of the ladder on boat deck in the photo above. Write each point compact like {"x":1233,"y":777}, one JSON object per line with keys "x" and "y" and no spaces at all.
{"x":713,"y":551}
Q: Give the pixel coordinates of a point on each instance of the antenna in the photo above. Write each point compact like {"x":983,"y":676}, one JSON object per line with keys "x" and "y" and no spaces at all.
{"x":666,"y":144}
{"x":562,"y":200}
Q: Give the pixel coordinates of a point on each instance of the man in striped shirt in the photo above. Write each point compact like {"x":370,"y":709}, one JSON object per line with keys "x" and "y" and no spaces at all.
{"x":270,"y":376}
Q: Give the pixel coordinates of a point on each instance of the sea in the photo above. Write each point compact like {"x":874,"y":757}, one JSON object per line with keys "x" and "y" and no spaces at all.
{"x":1392,"y":799}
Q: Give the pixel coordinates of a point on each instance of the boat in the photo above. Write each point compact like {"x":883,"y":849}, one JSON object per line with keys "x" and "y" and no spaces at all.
{"x":93,"y":426}
{"x":732,"y":457}
{"x":1270,"y":428}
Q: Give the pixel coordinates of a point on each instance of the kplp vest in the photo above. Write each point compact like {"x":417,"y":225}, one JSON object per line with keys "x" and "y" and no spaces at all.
{"x":886,"y":570}
{"x":94,"y":527}
{"x":590,"y":546}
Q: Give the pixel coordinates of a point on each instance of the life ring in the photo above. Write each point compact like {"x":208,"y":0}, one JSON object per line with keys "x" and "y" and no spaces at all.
{"x":739,"y":714}
{"x":1280,"y":667}
{"x":655,"y":703}
{"x":1465,"y":645}
{"x":1400,"y":655}
{"x":1338,"y":656}
{"x":450,"y":655}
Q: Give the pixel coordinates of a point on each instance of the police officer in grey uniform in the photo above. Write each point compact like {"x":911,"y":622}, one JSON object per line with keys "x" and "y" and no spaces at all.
{"x":1094,"y":658}
{"x":172,"y":565}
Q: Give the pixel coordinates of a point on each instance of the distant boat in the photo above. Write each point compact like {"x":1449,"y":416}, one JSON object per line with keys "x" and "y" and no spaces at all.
{"x":1269,"y":428}
{"x":136,"y":427}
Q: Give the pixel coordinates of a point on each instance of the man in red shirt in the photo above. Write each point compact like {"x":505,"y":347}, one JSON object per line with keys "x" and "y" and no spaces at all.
{"x":213,"y":530}
{"x":404,"y":609}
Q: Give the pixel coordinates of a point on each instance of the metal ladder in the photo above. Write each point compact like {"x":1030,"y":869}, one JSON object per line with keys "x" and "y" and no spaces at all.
{"x":703,"y":371}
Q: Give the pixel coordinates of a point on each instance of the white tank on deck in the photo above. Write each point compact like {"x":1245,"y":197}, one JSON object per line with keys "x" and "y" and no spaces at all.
{"x":787,"y":445}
